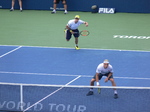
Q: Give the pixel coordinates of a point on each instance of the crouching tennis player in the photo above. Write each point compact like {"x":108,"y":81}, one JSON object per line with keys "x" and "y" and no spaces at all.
{"x":103,"y":69}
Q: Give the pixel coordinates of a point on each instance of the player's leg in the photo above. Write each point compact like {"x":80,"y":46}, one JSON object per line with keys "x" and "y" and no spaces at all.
{"x":20,"y":4}
{"x":12,"y":5}
{"x":115,"y":90}
{"x":92,"y":84}
{"x":91,"y":89}
{"x":76,"y":35}
{"x":55,"y":2}
{"x":65,"y":6}
{"x":76,"y":43}
{"x":68,"y":35}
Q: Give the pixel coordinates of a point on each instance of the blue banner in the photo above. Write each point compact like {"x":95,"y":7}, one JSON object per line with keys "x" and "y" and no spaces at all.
{"x":131,"y":6}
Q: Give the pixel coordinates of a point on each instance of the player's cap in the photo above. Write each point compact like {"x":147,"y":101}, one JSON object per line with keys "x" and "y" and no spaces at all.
{"x":106,"y":61}
{"x":77,"y":17}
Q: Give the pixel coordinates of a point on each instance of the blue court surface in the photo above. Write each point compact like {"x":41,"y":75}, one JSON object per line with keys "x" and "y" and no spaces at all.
{"x":23,"y":68}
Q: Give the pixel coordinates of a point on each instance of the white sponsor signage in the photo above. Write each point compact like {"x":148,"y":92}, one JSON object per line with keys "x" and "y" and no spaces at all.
{"x":131,"y":37}
{"x":107,"y":10}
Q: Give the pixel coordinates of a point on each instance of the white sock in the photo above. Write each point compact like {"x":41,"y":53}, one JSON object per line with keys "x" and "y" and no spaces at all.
{"x":65,"y":10}
{"x":54,"y":10}
{"x":115,"y":91}
{"x":12,"y":8}
{"x":76,"y":45}
{"x":20,"y":8}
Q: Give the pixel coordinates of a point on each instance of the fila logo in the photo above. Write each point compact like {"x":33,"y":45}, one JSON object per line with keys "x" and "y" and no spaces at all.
{"x":107,"y":10}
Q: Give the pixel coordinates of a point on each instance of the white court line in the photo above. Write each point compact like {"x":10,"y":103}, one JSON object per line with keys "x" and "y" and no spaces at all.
{"x":51,"y":94}
{"x":10,"y":51}
{"x":133,"y":78}
{"x":69,"y":75}
{"x":47,"y":47}
{"x":39,"y":74}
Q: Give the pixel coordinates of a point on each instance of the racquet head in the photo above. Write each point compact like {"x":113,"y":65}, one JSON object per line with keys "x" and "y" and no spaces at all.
{"x":84,"y":33}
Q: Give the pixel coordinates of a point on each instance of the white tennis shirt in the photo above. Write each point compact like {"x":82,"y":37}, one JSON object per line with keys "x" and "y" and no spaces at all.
{"x":72,"y":25}
{"x":102,"y":70}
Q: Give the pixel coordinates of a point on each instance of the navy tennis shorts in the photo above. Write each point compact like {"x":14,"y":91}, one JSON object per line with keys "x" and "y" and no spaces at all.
{"x":57,"y":1}
{"x":69,"y":34}
{"x":101,"y":75}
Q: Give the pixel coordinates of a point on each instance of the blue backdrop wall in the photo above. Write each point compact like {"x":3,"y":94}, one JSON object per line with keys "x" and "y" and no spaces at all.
{"x":131,"y":6}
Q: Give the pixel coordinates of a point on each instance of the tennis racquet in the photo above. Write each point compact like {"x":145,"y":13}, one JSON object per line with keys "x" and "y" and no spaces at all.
{"x":83,"y":33}
{"x":99,"y":90}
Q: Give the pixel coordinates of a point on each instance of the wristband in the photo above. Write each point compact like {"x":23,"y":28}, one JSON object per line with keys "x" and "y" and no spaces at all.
{"x":70,"y":30}
{"x":97,"y":83}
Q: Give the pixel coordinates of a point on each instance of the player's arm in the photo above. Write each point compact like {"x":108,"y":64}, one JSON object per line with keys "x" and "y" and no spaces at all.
{"x":97,"y":79}
{"x":98,"y":71}
{"x":67,"y":27}
{"x":110,"y":74}
{"x":83,"y":22}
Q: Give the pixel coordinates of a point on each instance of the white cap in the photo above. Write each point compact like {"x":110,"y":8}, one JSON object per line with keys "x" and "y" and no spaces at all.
{"x":106,"y":61}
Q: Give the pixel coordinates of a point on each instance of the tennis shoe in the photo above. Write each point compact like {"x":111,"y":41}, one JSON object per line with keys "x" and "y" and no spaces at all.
{"x":77,"y":48}
{"x":90,"y":93}
{"x":53,"y":12}
{"x":115,"y":96}
{"x":65,"y":12}
{"x":11,"y":9}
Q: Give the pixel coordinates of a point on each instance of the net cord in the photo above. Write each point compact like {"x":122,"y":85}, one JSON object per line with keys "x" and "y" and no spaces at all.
{"x":74,"y":86}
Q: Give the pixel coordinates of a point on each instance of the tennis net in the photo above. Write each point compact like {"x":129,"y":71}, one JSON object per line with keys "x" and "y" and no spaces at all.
{"x":15,"y":97}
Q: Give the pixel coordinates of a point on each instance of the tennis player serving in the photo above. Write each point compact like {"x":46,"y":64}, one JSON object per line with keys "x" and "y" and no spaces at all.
{"x":72,"y":29}
{"x":103,"y":69}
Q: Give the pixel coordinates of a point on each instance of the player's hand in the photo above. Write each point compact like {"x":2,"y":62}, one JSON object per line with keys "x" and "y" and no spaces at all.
{"x":86,"y":24}
{"x":71,"y":32}
{"x":106,"y":80}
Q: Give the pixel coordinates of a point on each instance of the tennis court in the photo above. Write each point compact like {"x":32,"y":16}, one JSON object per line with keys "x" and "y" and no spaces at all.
{"x":52,"y":66}
{"x":37,"y":64}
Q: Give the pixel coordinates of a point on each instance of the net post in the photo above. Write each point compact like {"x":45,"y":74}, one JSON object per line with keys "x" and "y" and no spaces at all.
{"x":21,"y":97}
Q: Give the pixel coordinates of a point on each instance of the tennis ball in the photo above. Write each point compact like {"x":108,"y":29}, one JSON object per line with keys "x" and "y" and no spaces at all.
{"x":94,"y":7}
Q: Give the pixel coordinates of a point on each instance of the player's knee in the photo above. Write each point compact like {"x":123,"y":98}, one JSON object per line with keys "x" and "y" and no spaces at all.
{"x":112,"y":80}
{"x":76,"y":38}
{"x":55,"y":2}
{"x":64,"y":3}
{"x":93,"y":80}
